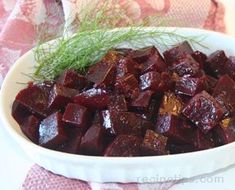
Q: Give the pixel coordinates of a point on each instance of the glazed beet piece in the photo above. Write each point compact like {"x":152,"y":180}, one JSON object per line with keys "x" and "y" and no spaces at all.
{"x":92,"y":142}
{"x":177,"y":52}
{"x":128,"y":85}
{"x":143,"y":54}
{"x":204,"y":111}
{"x":111,"y":57}
{"x":190,"y":86}
{"x":176,"y":147}
{"x":71,"y":79}
{"x":30,"y":128}
{"x":225,"y":131}
{"x":117,"y":103}
{"x":200,"y":58}
{"x":102,"y":74}
{"x":210,"y":83}
{"x":142,"y":101}
{"x":92,"y":98}
{"x":124,"y":145}
{"x":76,"y":115}
{"x":224,"y":92}
{"x":51,"y":131}
{"x":19,"y":112}
{"x":171,"y":104}
{"x":34,"y":99}
{"x":126,"y":66}
{"x":153,"y":144}
{"x":169,"y":125}
{"x":200,"y":141}
{"x":60,"y":96}
{"x":186,"y":66}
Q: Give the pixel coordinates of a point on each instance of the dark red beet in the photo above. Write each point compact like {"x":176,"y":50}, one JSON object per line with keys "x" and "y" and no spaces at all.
{"x":200,"y":141}
{"x":153,"y":144}
{"x":93,"y":98}
{"x":224,"y":92}
{"x":92,"y":142}
{"x":102,"y":74}
{"x":186,"y":66}
{"x":117,"y":103}
{"x":128,"y":85}
{"x":19,"y":112}
{"x":60,"y":96}
{"x":76,"y":115}
{"x":190,"y":86}
{"x":176,"y":147}
{"x":124,"y":145}
{"x":126,"y":66}
{"x":34,"y":99}
{"x":169,"y":125}
{"x":30,"y":127}
{"x":200,"y":58}
{"x":177,"y":52}
{"x":171,"y":104}
{"x":204,"y":111}
{"x":72,"y":79}
{"x":210,"y":83}
{"x":51,"y":131}
{"x":142,"y":101}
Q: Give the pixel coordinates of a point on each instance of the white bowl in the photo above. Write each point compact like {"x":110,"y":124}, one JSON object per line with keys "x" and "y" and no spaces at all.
{"x":117,"y":169}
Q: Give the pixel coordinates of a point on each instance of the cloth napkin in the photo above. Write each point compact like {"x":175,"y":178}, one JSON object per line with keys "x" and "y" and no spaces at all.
{"x":20,"y":21}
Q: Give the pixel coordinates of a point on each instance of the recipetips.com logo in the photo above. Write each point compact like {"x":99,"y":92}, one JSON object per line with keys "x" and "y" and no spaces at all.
{"x":200,"y":179}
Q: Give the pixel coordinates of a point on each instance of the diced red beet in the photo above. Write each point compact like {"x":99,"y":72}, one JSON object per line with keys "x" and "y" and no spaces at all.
{"x":225,"y":131}
{"x":128,"y":85}
{"x":153,"y":144}
{"x":111,"y":57}
{"x":154,"y":104}
{"x":143,"y":54}
{"x":126,"y":66}
{"x":186,"y":66}
{"x":76,"y":115}
{"x":177,"y":52}
{"x":60,"y":96}
{"x":204,"y":111}
{"x":30,"y":127}
{"x":224,"y":92}
{"x":92,"y":142}
{"x":169,"y":125}
{"x":142,"y":101}
{"x":190,"y":86}
{"x":34,"y":99}
{"x":71,"y":79}
{"x":19,"y":112}
{"x":51,"y":131}
{"x":102,"y":74}
{"x":176,"y":147}
{"x":117,"y":103}
{"x":210,"y":83}
{"x":124,"y":145}
{"x":171,"y":104}
{"x":200,"y":58}
{"x":92,"y":98}
{"x":200,"y":141}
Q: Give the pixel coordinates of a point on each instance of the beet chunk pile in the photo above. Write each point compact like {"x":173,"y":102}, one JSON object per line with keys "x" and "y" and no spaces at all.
{"x":134,"y":103}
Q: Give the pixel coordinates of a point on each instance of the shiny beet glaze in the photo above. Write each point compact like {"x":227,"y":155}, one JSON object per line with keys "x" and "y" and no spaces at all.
{"x":134,"y":103}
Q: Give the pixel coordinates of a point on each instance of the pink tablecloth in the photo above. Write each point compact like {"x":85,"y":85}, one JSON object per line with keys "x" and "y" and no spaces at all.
{"x":20,"y":21}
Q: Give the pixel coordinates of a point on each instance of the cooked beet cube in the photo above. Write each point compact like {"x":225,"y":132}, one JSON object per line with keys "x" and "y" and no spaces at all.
{"x":93,"y":98}
{"x":190,"y":86}
{"x":177,"y":52}
{"x":30,"y":127}
{"x":186,"y":66}
{"x":200,"y":141}
{"x":225,"y":131}
{"x":76,"y":115}
{"x":128,"y":85}
{"x":19,"y":112}
{"x":102,"y":74}
{"x":143,"y":54}
{"x":176,"y":147}
{"x":169,"y":125}
{"x":72,"y":79}
{"x":204,"y":111}
{"x":200,"y":58}
{"x":34,"y":99}
{"x":224,"y":92}
{"x":60,"y":96}
{"x":51,"y":131}
{"x":126,"y":66}
{"x":142,"y":101}
{"x":153,"y":144}
{"x":171,"y":104}
{"x":111,"y":57}
{"x":210,"y":83}
{"x":92,"y":142}
{"x":124,"y":145}
{"x":117,"y":103}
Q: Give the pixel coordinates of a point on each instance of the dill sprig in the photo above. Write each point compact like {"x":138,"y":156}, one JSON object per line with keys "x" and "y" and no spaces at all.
{"x":95,"y":36}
